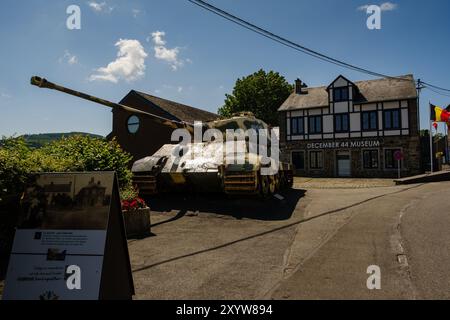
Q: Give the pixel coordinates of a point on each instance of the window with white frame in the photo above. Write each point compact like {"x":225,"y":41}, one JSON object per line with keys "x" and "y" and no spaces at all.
{"x":316,"y":160}
{"x":297,"y":126}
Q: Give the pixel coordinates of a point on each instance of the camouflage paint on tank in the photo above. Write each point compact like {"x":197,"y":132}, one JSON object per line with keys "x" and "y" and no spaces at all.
{"x":201,"y":165}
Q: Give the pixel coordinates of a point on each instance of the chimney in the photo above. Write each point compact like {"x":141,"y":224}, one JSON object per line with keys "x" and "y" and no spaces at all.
{"x":299,"y":85}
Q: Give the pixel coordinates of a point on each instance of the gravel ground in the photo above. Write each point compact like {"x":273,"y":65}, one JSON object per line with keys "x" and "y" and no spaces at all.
{"x":340,"y":183}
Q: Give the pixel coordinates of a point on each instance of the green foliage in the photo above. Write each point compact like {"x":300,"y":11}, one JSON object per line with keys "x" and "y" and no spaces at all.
{"x":17,"y":161}
{"x":261,"y":93}
{"x":41,"y":139}
{"x":128,"y":193}
{"x":77,"y":153}
{"x":92,"y":154}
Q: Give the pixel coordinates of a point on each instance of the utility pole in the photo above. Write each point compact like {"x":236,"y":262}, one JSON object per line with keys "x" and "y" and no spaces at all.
{"x":419,"y":88}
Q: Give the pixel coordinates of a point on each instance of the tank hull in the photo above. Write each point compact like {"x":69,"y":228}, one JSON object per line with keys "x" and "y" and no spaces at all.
{"x":200,"y":168}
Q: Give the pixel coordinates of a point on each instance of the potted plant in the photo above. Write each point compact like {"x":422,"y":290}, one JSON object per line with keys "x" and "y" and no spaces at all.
{"x":440,"y":160}
{"x":136,"y":215}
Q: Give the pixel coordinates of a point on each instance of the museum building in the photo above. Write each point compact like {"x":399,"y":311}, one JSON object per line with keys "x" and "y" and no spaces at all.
{"x":352,"y":129}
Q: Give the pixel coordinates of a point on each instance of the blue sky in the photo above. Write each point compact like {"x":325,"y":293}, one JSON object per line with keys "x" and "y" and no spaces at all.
{"x":196,"y":57}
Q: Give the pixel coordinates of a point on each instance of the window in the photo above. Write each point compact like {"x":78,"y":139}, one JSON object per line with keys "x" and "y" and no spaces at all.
{"x":370,"y":159}
{"x":392,"y":119}
{"x":297,"y":125}
{"x":316,"y":160}
{"x":340,"y":94}
{"x":133,"y":124}
{"x":315,"y":124}
{"x":341,"y":123}
{"x":298,"y":160}
{"x":370,"y":121}
{"x":389,"y":159}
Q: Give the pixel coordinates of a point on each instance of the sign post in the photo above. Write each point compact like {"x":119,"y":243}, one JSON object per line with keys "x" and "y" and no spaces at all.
{"x":70,"y":243}
{"x":399,"y":156}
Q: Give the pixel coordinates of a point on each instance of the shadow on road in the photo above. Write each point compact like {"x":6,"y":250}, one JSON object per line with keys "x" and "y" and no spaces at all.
{"x":179,"y":215}
{"x":282,"y":227}
{"x":271,"y":209}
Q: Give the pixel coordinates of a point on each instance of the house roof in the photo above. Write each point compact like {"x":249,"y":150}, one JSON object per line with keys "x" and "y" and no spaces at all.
{"x":180,"y":111}
{"x":377,"y":90}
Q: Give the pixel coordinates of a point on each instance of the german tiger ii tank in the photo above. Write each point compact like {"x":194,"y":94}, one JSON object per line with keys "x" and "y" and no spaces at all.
{"x":226,"y":155}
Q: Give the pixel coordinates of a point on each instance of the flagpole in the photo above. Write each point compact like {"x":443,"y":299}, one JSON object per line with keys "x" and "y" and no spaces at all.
{"x":431,"y":140}
{"x":446,"y":145}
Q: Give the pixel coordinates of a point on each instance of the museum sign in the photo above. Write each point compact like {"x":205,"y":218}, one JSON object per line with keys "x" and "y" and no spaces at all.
{"x":346,"y":144}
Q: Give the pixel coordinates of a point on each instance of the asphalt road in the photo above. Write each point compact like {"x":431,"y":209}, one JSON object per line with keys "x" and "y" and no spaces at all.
{"x":316,"y":244}
{"x":405,"y":233}
{"x":426,"y":230}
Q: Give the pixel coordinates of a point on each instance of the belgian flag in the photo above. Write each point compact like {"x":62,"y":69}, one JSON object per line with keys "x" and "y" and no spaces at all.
{"x":438,"y":114}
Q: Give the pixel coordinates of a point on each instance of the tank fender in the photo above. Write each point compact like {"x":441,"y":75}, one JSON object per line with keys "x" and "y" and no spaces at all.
{"x":149,"y":164}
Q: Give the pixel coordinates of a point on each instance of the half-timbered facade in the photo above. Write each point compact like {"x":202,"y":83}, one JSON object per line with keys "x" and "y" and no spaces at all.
{"x":352,"y":129}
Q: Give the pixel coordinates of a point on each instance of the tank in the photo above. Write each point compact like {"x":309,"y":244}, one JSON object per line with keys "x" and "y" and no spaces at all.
{"x":230,"y":165}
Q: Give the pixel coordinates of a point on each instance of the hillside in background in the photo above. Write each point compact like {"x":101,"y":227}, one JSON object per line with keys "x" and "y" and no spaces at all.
{"x":38,"y":140}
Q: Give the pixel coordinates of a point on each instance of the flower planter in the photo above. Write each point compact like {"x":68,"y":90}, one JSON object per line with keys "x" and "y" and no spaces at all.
{"x":137,"y":222}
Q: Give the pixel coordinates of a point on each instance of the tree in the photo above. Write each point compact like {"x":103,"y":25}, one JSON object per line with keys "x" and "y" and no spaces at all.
{"x":261,"y":93}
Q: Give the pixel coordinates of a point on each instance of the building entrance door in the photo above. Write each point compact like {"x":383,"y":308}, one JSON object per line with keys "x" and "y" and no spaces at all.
{"x":343,"y":161}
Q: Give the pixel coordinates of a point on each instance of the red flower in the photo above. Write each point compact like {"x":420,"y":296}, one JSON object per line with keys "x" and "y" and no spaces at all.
{"x":132,"y":204}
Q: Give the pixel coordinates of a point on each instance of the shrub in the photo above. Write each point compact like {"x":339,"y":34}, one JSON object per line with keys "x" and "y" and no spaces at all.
{"x":84,"y":153}
{"x":76,"y":153}
{"x":128,"y":193}
{"x":18,"y":161}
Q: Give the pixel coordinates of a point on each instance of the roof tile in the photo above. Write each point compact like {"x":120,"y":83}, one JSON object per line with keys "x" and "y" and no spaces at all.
{"x":377,"y":90}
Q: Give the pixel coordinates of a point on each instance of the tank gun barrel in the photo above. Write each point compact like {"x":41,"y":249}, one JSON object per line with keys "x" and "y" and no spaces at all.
{"x":44,"y":83}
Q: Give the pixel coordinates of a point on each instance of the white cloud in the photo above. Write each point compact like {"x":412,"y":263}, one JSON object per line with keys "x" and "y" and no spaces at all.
{"x":170,"y":56}
{"x":97,"y":6}
{"x":68,"y":58}
{"x":129,"y":65}
{"x":172,"y":89}
{"x":157,"y":37}
{"x":5,"y":95}
{"x":363,"y":8}
{"x":135,"y":12}
{"x":73,"y":60}
{"x":100,"y":6}
{"x":386,"y":6}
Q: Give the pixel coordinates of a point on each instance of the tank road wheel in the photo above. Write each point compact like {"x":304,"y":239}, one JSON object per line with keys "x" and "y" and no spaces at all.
{"x":264,"y":186}
{"x":282,"y":179}
{"x":291,"y":179}
{"x":277,"y":183}
{"x":272,"y":184}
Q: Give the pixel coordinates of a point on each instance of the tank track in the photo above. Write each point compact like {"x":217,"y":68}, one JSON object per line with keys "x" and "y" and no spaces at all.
{"x":146,"y":184}
{"x":240,"y":182}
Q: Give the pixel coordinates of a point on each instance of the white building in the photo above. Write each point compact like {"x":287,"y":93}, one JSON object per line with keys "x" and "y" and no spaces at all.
{"x":352,"y":129}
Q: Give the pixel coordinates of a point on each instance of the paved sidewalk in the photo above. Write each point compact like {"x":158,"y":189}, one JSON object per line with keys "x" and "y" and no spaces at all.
{"x":340,"y":183}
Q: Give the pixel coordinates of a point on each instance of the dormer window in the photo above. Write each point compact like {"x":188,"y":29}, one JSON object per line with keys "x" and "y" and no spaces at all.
{"x":340,"y":94}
